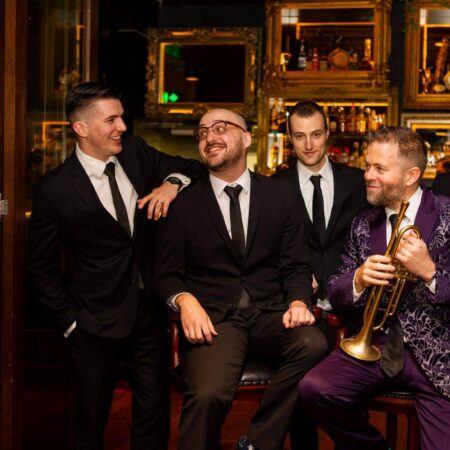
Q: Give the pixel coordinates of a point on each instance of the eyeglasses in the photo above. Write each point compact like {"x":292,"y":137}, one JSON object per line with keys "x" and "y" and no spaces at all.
{"x":218,"y":128}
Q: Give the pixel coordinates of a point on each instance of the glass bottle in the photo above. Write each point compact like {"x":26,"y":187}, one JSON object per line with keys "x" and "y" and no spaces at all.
{"x":315,"y":59}
{"x":367,"y":63}
{"x":351,"y":124}
{"x":301,"y":59}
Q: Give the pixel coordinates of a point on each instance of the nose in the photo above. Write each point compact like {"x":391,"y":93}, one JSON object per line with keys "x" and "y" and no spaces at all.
{"x":121,"y":125}
{"x":308,"y":143}
{"x":369,"y":174}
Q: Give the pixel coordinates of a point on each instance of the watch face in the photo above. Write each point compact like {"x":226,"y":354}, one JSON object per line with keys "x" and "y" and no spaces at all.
{"x":174,"y":180}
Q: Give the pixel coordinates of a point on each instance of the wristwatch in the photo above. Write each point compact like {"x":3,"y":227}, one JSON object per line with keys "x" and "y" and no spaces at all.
{"x":175,"y":180}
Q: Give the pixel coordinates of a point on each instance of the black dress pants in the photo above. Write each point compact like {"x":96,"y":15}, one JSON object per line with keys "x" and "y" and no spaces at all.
{"x":143,"y":354}
{"x":212,"y":373}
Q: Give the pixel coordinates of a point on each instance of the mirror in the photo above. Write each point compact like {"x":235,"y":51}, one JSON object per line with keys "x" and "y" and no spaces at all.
{"x":191,"y":71}
{"x":427,"y":59}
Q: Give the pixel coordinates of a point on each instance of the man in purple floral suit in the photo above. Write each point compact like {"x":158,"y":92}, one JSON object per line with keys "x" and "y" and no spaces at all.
{"x":416,"y":347}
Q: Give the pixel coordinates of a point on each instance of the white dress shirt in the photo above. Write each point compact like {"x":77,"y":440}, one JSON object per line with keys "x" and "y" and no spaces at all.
{"x":307,"y":189}
{"x":219,"y":185}
{"x":95,"y":171}
{"x":326,"y":184}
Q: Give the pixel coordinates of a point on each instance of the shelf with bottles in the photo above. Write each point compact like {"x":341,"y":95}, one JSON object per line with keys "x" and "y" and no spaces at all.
{"x":322,"y":41}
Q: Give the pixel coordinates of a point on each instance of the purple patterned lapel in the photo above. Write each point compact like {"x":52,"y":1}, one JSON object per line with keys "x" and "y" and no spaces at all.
{"x":427,"y":215}
{"x":378,"y":233}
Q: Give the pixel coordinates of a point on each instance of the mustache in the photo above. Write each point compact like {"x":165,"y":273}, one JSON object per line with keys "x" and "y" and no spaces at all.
{"x":213,"y":144}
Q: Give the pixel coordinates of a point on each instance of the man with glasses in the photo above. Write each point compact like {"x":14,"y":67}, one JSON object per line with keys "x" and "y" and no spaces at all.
{"x":329,"y":195}
{"x":231,"y":259}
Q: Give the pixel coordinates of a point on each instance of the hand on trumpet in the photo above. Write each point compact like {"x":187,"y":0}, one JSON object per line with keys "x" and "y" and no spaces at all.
{"x":413,"y":253}
{"x":376,"y":270}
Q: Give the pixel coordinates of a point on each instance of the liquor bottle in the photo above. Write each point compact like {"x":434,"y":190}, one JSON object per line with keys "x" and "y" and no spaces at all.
{"x":315,"y":59}
{"x":333,"y":119}
{"x":327,"y":118}
{"x":273,"y":114}
{"x":367,"y":63}
{"x":361,"y":121}
{"x":373,"y":120}
{"x":274,"y":152}
{"x":351,"y":123}
{"x":342,"y":120}
{"x":301,"y":59}
{"x":281,"y":116}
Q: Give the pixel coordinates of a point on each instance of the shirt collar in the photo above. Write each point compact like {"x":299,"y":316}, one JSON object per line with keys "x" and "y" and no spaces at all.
{"x":93,"y":166}
{"x":414,"y":203}
{"x":305,"y":174}
{"x":219,"y":185}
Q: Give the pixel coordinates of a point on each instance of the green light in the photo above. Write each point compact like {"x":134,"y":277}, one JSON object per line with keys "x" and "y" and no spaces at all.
{"x":170,"y":97}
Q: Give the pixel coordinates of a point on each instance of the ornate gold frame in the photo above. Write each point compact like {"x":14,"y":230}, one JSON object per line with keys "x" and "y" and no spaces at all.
{"x":431,"y":121}
{"x":411,"y":97}
{"x":250,"y":37}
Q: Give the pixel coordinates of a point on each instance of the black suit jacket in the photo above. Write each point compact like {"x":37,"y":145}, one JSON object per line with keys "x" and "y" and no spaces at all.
{"x":441,"y":184}
{"x":99,"y":288}
{"x":349,"y":200}
{"x":195,"y":252}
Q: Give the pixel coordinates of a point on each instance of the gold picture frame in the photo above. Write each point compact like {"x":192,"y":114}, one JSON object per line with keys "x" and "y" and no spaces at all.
{"x":235,"y":72}
{"x":435,"y":129}
{"x":427,"y":84}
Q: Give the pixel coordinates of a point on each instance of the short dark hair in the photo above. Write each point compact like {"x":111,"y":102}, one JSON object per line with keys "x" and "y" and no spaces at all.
{"x":307,"y":108}
{"x":411,"y":146}
{"x":84,"y":94}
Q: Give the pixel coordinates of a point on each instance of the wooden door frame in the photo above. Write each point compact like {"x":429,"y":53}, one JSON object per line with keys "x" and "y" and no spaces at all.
{"x":13,"y":155}
{"x":13,"y":141}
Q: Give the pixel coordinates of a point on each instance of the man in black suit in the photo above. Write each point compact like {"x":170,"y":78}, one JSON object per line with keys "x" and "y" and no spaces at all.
{"x":102,"y":302}
{"x":441,"y":184}
{"x":230,"y":257}
{"x":329,"y":195}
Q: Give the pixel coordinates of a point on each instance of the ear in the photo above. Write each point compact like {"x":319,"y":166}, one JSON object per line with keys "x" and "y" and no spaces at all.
{"x":247,"y":136}
{"x":80,"y":128}
{"x":412,"y":176}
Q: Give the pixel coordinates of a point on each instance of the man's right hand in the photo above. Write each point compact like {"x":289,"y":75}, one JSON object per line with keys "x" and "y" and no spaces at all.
{"x":197,"y":325}
{"x":376,"y":270}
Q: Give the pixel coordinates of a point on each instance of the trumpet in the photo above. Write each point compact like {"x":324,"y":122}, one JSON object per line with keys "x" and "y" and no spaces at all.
{"x":360,"y":346}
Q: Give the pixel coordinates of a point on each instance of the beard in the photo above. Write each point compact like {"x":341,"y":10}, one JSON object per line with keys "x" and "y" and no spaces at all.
{"x":221,"y":161}
{"x":389,"y":195}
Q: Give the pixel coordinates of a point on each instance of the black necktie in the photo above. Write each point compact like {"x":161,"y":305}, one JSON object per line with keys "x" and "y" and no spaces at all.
{"x":119,"y":205}
{"x":318,"y":212}
{"x":392,"y":356}
{"x":237,"y":229}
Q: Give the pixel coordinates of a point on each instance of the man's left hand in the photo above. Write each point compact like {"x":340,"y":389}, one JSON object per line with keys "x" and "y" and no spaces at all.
{"x":413,"y":253}
{"x":298,"y":315}
{"x":159,"y":200}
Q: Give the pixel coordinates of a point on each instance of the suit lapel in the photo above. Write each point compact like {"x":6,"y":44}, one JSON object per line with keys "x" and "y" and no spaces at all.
{"x":294,"y":180}
{"x":427,"y":215}
{"x":210,"y":201}
{"x":338,"y":200}
{"x":134,"y":175}
{"x":255,"y":206}
{"x":378,"y":233}
{"x":83,"y":186}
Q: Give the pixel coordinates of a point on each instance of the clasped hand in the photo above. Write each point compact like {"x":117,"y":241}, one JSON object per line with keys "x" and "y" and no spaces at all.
{"x":378,"y":270}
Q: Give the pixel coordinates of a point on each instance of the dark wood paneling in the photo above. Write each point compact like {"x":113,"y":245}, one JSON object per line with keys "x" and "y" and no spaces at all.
{"x":12,"y":250}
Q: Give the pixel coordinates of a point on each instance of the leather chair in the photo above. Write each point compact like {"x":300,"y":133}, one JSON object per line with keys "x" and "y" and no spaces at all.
{"x":392,"y":403}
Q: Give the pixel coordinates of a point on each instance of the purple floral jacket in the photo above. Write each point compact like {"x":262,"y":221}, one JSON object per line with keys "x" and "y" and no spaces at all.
{"x":425,"y":317}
